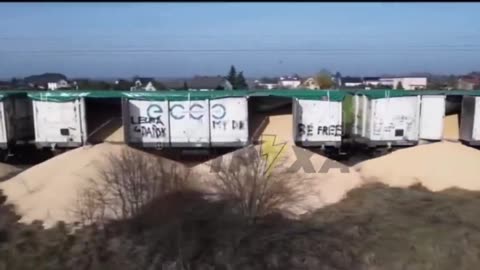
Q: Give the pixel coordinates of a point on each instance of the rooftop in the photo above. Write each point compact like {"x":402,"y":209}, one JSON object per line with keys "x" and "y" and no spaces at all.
{"x":294,"y":77}
{"x":352,"y":80}
{"x":371,"y":78}
{"x":143,"y":80}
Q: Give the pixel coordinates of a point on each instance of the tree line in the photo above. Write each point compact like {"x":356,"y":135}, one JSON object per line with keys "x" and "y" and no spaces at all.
{"x":237,"y":81}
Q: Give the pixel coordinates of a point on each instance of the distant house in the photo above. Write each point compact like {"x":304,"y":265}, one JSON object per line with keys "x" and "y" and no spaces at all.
{"x":61,"y":84}
{"x":51,"y":81}
{"x":45,"y":78}
{"x":414,"y":83}
{"x":468,"y":82}
{"x":209,"y":83}
{"x":290,"y":81}
{"x":266,"y":83}
{"x":143,"y":84}
{"x":408,"y":83}
{"x":352,"y":81}
{"x":52,"y":86}
{"x":310,"y":83}
{"x":371,"y":81}
{"x":388,"y":82}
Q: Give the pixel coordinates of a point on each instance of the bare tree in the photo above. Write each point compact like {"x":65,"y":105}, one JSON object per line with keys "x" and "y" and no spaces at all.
{"x":126,"y":184}
{"x":248,"y":180}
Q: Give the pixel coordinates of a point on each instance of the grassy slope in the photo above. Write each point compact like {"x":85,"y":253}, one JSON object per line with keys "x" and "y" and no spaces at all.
{"x":376,"y":227}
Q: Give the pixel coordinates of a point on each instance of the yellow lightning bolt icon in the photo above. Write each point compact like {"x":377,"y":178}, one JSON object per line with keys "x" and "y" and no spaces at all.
{"x":271,"y":151}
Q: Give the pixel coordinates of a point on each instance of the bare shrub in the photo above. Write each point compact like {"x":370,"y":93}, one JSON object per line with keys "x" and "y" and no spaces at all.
{"x":126,"y":184}
{"x":247,"y":179}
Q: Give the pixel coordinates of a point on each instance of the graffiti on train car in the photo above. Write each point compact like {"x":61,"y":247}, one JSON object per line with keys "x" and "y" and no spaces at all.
{"x":150,"y":125}
{"x":219,"y":112}
{"x":228,"y":125}
{"x":196,"y":111}
{"x":311,"y":130}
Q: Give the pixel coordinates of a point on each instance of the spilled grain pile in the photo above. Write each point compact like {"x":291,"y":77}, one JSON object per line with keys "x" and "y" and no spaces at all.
{"x":437,"y":166}
{"x":451,"y":127}
{"x":322,"y":181}
{"x":280,"y":126}
{"x":110,"y":131}
{"x":327,"y":180}
{"x":49,"y":190}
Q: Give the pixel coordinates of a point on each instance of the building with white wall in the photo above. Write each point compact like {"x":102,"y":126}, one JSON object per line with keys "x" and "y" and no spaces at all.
{"x":143,"y":84}
{"x":57,"y":85}
{"x":352,"y":82}
{"x":52,"y":86}
{"x":265,"y":85}
{"x":371,"y":81}
{"x":311,"y":84}
{"x":408,"y":83}
{"x":469,"y":82}
{"x":290,"y":82}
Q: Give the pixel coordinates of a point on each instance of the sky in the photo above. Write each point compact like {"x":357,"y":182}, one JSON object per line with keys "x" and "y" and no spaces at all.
{"x":260,"y":39}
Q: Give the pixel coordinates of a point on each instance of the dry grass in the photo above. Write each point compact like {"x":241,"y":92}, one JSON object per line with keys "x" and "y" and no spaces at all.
{"x":375,"y":227}
{"x":258,"y":191}
{"x":126,"y":185}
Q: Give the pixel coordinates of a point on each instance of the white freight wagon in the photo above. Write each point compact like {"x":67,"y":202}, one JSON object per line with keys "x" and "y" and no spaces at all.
{"x":432,"y":113}
{"x":186,"y":119}
{"x":189,"y":123}
{"x":16,"y":122}
{"x":229,"y":122}
{"x":59,"y":120}
{"x":470,"y":120}
{"x":146,"y":123}
{"x":386,"y":118}
{"x":318,"y":119}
